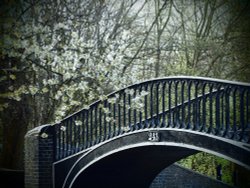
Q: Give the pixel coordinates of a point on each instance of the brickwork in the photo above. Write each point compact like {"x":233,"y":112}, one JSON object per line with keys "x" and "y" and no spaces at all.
{"x":31,"y":161}
{"x":46,"y":161}
{"x":38,"y":158}
{"x":176,"y":176}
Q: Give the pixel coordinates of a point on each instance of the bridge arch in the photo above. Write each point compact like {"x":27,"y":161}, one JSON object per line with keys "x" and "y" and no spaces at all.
{"x":163,"y":146}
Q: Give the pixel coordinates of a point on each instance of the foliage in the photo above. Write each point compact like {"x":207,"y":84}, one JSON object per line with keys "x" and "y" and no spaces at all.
{"x":74,"y":57}
{"x":206,"y":164}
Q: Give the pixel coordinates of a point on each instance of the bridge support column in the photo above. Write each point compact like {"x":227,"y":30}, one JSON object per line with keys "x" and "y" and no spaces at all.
{"x":39,"y":157}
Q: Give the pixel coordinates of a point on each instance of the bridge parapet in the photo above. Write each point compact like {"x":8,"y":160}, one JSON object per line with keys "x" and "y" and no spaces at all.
{"x":39,"y":157}
{"x":211,"y":106}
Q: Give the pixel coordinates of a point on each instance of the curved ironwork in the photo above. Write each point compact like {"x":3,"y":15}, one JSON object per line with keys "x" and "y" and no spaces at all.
{"x":212,"y":106}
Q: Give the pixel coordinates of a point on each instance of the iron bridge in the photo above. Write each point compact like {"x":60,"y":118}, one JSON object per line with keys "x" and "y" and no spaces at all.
{"x":161,"y":120}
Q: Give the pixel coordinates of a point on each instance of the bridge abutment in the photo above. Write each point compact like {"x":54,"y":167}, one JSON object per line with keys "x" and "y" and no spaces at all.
{"x":39,"y":157}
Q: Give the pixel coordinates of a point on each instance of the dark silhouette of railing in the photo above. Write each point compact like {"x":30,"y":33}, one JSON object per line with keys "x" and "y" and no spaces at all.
{"x":212,"y":106}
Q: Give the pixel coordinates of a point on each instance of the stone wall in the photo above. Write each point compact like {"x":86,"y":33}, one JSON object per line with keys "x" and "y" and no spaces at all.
{"x":176,"y":176}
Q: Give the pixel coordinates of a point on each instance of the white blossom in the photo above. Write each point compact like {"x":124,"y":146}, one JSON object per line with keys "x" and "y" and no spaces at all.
{"x":126,"y":129}
{"x":144,"y":93}
{"x":103,"y":97}
{"x":45,"y":90}
{"x":33,"y":90}
{"x":44,"y":135}
{"x":78,"y":122}
{"x":112,"y":100}
{"x":106,"y":110}
{"x":117,"y":96}
{"x":86,"y":107}
{"x":63,"y":128}
{"x":108,"y":119}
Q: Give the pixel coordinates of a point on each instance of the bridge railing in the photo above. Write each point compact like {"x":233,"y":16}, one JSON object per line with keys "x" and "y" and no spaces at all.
{"x":206,"y":105}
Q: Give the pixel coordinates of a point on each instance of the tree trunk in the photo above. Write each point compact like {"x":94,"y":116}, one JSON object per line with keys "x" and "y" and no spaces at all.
{"x":14,"y":122}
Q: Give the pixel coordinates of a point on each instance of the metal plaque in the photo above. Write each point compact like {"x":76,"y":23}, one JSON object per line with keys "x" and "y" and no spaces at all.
{"x":153,"y":136}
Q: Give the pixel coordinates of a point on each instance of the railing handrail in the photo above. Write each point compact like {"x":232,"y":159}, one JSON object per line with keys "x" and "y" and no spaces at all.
{"x":197,"y":78}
